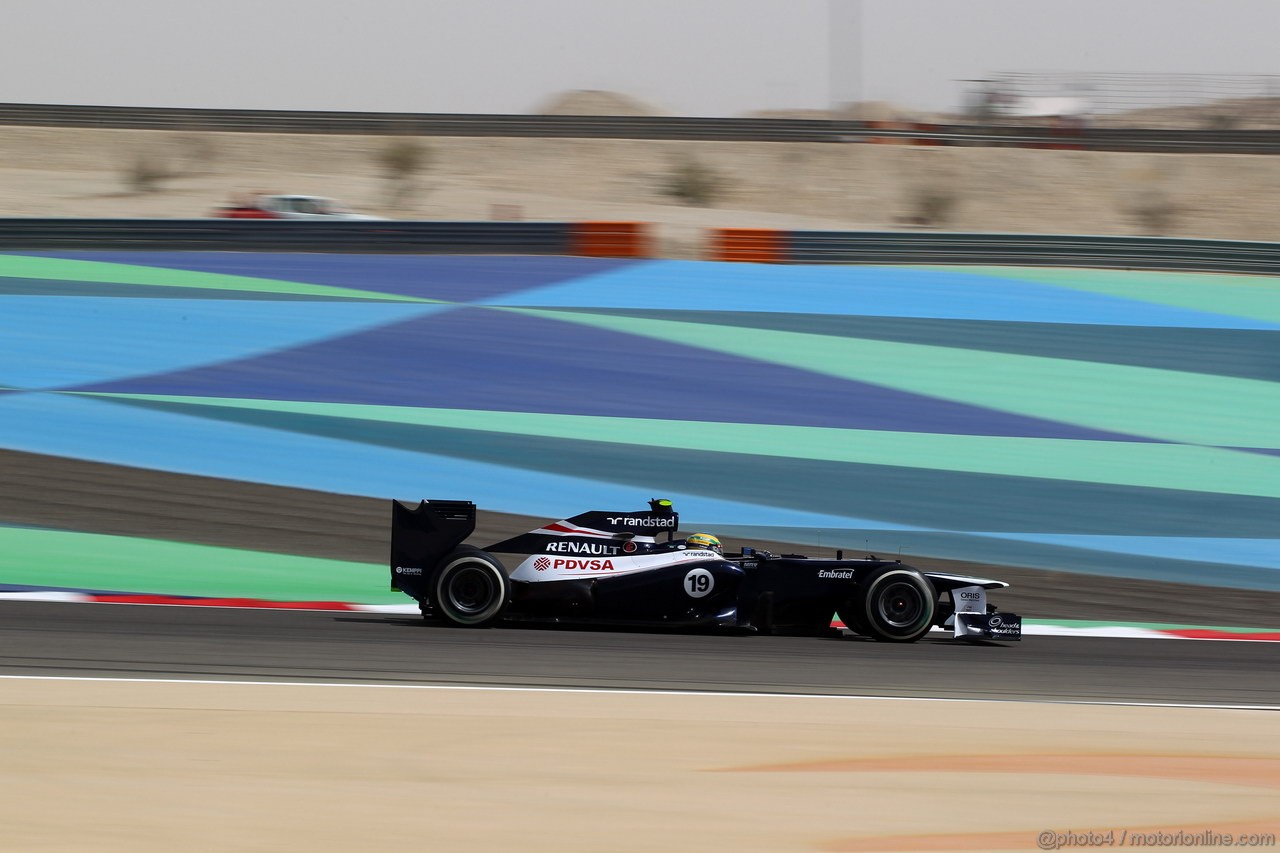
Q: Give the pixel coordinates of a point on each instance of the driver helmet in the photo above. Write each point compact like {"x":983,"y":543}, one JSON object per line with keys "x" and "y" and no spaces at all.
{"x":704,"y":540}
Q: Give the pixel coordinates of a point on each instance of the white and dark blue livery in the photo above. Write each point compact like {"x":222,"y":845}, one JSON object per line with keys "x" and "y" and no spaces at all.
{"x":629,"y":568}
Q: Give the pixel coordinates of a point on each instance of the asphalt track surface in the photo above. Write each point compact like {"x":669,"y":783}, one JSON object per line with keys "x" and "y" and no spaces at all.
{"x":122,"y":641}
{"x":51,"y":491}
{"x":181,"y":642}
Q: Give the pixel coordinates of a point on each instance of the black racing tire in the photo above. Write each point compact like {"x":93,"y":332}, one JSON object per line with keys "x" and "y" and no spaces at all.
{"x":895,"y":604}
{"x":471,"y":588}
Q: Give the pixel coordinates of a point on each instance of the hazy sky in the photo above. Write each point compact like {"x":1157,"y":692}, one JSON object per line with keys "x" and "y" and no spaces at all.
{"x":689,"y":57}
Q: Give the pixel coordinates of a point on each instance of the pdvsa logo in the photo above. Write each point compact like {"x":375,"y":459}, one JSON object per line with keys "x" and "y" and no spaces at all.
{"x":590,"y":565}
{"x":542,"y":564}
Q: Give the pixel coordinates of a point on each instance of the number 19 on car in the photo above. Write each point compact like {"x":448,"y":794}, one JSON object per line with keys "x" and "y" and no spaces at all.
{"x":699,"y":583}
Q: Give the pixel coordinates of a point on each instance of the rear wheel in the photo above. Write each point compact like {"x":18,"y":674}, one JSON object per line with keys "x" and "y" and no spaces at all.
{"x":896,"y":605}
{"x":471,"y":589}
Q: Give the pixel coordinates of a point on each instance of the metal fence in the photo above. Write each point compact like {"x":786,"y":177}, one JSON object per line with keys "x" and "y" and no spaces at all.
{"x":420,"y":124}
{"x":640,"y":127}
{"x":513,"y":238}
{"x":560,"y":238}
{"x":1133,"y":99}
{"x":1157,"y":253}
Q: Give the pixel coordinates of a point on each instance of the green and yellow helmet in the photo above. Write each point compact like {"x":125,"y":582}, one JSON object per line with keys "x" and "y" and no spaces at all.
{"x":703,"y":540}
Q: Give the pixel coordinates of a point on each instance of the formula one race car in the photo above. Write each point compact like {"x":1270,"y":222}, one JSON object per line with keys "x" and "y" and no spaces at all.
{"x":629,"y":569}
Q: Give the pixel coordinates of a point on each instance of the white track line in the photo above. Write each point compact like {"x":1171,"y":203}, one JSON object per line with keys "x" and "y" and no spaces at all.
{"x":1029,"y":629}
{"x":44,"y":595}
{"x":636,"y":692}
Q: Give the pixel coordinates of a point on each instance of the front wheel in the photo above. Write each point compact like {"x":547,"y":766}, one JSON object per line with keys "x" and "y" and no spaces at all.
{"x":471,"y":589}
{"x":896,"y":605}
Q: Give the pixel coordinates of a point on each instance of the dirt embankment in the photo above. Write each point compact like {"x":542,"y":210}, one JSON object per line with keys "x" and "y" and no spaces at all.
{"x":73,"y":172}
{"x":112,"y":766}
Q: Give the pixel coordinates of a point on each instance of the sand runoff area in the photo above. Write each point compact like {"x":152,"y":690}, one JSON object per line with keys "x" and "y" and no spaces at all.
{"x":70,"y":172}
{"x":145,"y":766}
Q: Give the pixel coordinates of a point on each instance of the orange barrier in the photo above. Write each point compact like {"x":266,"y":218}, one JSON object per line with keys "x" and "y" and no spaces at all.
{"x":903,"y":140}
{"x":757,"y":245}
{"x":887,"y":140}
{"x":1068,"y":144}
{"x":610,"y":240}
{"x":925,"y":128}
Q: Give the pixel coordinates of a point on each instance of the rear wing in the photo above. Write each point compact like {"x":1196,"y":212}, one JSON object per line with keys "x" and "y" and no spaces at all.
{"x":421,"y":535}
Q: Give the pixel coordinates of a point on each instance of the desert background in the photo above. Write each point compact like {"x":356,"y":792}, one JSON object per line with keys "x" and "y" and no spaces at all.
{"x":682,"y":187}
